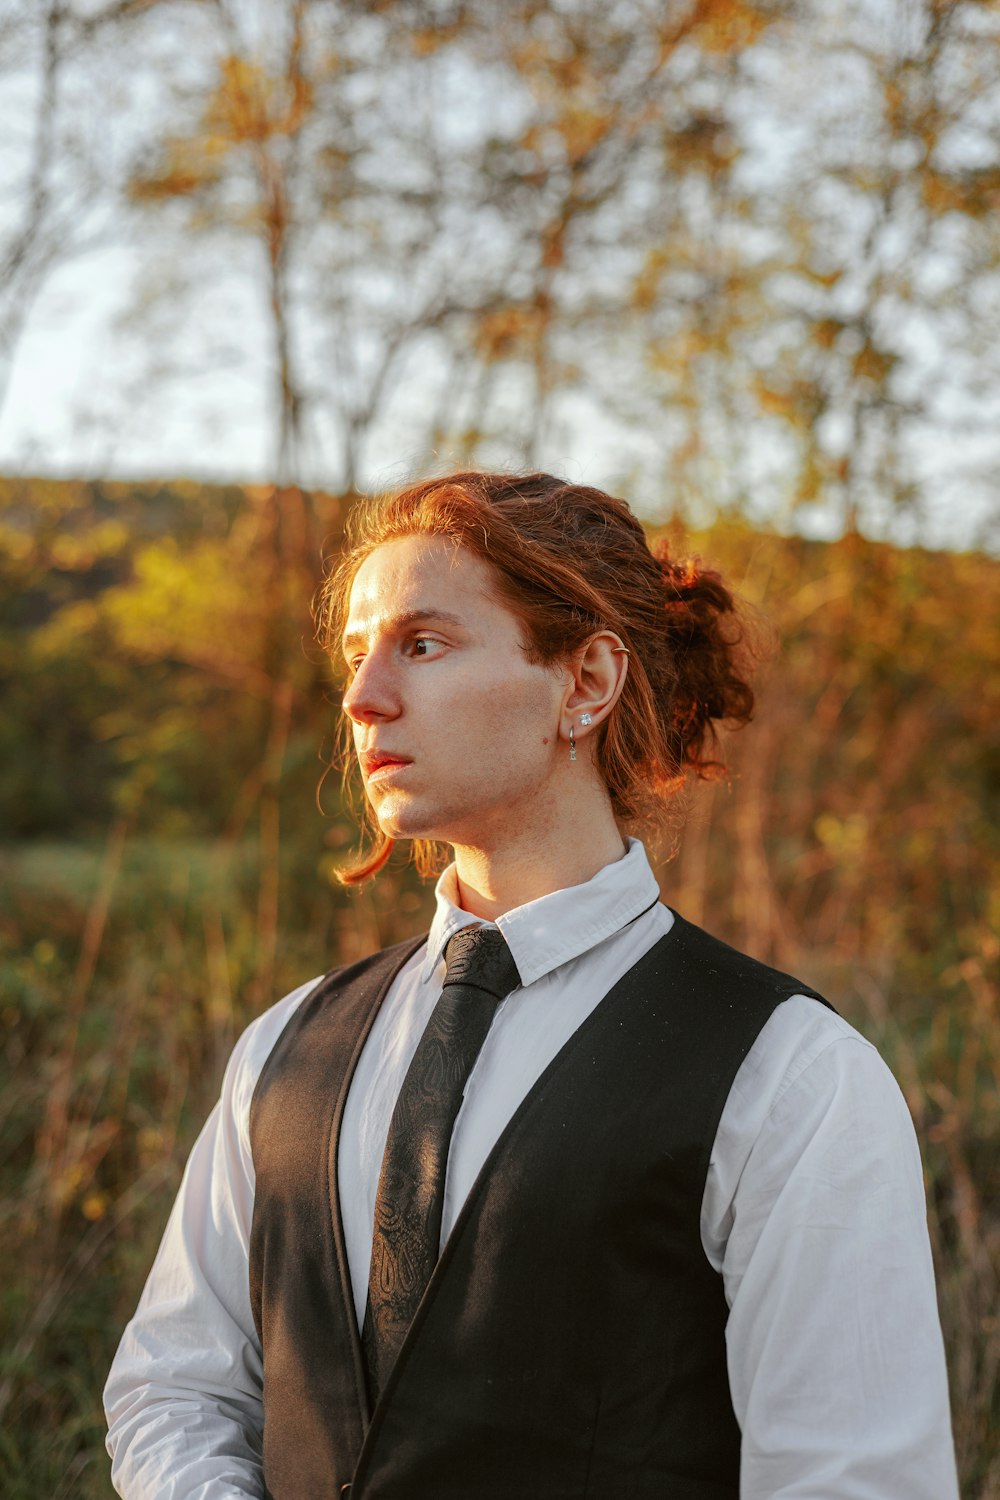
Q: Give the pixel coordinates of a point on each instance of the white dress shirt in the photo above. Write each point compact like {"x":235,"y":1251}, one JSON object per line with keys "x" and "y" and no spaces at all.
{"x":813,"y":1214}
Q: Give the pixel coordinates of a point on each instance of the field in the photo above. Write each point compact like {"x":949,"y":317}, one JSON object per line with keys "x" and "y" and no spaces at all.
{"x":166,"y":873}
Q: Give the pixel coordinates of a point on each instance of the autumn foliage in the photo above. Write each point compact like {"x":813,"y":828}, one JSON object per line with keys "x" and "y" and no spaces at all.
{"x":735,"y":260}
{"x":154,"y":899}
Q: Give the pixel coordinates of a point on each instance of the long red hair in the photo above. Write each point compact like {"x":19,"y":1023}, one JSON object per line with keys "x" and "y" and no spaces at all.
{"x":570,"y":560}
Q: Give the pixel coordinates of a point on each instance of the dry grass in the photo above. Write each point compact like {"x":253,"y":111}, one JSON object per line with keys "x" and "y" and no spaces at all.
{"x":855,"y":844}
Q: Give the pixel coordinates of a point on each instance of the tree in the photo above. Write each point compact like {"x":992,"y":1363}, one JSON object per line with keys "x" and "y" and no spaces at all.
{"x":752,"y":245}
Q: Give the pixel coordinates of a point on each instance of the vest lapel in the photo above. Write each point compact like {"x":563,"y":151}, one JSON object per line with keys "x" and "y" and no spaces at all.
{"x":374,"y":1004}
{"x":300,"y":1284}
{"x":640,"y":973}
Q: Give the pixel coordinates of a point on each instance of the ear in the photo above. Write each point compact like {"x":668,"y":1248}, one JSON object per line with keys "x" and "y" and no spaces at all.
{"x":595,"y":674}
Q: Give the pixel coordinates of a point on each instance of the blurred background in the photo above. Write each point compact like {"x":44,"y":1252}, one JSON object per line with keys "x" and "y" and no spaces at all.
{"x":737,"y":262}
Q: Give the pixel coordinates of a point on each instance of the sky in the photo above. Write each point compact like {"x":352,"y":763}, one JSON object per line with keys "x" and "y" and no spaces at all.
{"x":94,"y":392}
{"x":68,"y":411}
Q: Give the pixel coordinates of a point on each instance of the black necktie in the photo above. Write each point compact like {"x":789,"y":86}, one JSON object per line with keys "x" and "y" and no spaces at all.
{"x":410,"y":1197}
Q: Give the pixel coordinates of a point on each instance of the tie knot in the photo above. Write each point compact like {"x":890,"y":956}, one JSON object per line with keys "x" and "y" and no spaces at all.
{"x":479,"y":957}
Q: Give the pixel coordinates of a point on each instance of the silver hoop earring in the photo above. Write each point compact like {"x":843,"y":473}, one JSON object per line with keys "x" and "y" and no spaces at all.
{"x":572,"y":744}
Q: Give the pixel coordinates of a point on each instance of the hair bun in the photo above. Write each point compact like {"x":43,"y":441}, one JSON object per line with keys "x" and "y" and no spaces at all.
{"x":711,"y":658}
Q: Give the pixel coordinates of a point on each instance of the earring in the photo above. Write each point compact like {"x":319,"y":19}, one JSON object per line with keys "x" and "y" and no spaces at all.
{"x":572,"y":744}
{"x":586,"y":719}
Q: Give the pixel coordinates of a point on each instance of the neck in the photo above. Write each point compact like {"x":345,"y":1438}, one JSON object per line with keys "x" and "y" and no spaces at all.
{"x":494,"y":880}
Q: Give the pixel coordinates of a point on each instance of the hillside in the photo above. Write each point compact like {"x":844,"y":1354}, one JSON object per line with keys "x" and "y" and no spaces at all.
{"x":166,"y":873}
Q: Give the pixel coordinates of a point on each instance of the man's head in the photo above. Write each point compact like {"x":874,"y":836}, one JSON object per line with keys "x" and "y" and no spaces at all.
{"x":481,"y":616}
{"x":461,"y":730}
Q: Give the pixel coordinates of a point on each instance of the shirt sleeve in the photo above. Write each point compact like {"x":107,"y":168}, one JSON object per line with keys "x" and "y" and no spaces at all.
{"x":836,"y":1360}
{"x":184,"y":1395}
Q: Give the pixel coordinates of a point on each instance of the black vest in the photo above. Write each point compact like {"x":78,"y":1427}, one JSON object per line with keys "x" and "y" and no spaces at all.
{"x":571,"y":1342}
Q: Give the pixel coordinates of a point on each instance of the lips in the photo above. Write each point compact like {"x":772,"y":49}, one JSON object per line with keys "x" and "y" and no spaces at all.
{"x":376,"y":760}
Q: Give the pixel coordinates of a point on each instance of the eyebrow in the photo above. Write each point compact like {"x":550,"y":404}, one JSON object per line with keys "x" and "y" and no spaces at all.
{"x":400,"y":622}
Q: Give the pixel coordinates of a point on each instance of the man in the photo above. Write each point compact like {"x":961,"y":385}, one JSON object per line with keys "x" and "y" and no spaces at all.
{"x":568,"y":1198}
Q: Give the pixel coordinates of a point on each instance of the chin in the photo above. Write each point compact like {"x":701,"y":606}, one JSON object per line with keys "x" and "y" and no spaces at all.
{"x":406,"y":823}
{"x":415,"y":817}
{"x":412,"y":823}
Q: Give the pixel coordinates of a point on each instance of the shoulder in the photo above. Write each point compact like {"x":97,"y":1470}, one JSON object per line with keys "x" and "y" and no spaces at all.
{"x":808,"y":1044}
{"x":825,"y":1081}
{"x":811,"y":1082}
{"x":807,"y":1064}
{"x":254,"y":1047}
{"x":263,"y":1034}
{"x":804,"y":1057}
{"x":262,"y":1041}
{"x":813,"y":1097}
{"x":692,"y":945}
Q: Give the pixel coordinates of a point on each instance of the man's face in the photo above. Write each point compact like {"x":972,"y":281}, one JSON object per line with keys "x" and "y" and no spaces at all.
{"x":456,"y":731}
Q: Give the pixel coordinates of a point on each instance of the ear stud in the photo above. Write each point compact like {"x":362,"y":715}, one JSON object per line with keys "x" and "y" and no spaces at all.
{"x":586,"y":719}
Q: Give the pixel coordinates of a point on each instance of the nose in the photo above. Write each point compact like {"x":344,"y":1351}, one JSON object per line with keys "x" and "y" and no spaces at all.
{"x":371,"y":695}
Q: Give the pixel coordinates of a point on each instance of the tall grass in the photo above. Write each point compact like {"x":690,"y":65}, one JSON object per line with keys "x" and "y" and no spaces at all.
{"x":104,"y":1094}
{"x":854,"y":843}
{"x":124,"y":973}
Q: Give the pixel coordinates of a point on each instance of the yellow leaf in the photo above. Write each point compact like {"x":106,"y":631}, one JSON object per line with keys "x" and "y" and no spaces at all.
{"x":729,"y":25}
{"x":825,"y":332}
{"x":95,"y":1206}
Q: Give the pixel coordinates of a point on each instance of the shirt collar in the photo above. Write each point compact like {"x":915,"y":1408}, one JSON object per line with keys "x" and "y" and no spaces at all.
{"x":564,"y":924}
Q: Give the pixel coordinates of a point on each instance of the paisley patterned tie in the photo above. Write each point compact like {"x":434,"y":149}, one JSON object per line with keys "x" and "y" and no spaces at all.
{"x":408,"y":1205}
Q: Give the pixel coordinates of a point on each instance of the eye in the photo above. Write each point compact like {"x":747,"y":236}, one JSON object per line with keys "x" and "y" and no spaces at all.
{"x":422,"y":645}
